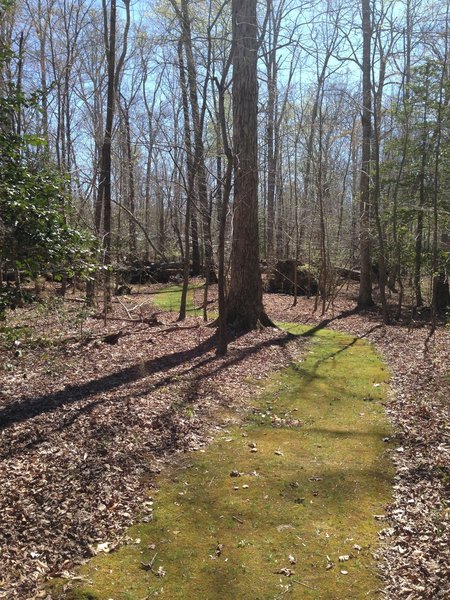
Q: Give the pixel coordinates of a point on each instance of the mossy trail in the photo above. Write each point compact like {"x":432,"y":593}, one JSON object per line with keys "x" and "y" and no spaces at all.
{"x":310,"y":492}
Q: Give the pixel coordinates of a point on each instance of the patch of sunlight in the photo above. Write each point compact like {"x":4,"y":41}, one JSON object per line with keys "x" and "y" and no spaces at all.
{"x":168,"y":298}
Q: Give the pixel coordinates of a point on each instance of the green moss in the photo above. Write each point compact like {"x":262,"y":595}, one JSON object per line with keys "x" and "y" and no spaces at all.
{"x":313,"y":490}
{"x":168,"y":298}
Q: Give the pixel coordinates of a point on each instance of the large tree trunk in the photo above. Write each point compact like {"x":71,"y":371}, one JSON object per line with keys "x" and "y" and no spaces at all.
{"x":104,"y":187}
{"x":365,"y":287}
{"x":245,"y":307}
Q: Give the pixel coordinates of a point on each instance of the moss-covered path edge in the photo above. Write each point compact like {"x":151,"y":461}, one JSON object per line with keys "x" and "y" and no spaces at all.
{"x":285,"y":504}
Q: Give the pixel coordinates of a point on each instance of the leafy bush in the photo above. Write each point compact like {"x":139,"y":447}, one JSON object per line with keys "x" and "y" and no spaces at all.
{"x":35,"y":234}
{"x":11,"y":297}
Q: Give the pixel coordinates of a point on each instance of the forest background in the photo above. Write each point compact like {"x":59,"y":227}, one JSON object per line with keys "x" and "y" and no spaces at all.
{"x":113,"y":116}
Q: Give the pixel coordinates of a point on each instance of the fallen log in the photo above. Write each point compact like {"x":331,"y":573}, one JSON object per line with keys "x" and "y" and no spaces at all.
{"x":345,"y":273}
{"x":282,"y":277}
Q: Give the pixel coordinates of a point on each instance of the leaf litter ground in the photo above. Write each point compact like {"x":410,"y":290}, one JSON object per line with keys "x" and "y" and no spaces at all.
{"x":85,"y":426}
{"x":285,"y":502}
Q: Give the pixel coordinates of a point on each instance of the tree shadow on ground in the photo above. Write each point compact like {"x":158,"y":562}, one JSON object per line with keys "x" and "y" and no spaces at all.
{"x":30,"y":407}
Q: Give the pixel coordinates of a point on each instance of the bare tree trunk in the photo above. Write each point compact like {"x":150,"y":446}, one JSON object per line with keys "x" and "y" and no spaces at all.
{"x":148,"y":169}
{"x":245,"y":307}
{"x":365,"y":287}
{"x":421,"y":207}
{"x":130,"y":181}
{"x":104,"y":188}
{"x":190,"y":182}
{"x":272,"y":142}
{"x":376,"y":189}
{"x":41,"y":28}
{"x":197,"y":119}
{"x":297,"y":225}
{"x":222,"y":341}
{"x":323,"y":278}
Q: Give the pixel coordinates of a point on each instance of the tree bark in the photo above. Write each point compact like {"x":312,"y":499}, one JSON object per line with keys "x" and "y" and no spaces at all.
{"x":190,"y":182}
{"x":199,"y":152}
{"x":365,"y":287}
{"x":245,"y":307}
{"x":376,"y":188}
{"x":130,"y":187}
{"x":420,"y":211}
{"x":222,"y":342}
{"x":104,"y":188}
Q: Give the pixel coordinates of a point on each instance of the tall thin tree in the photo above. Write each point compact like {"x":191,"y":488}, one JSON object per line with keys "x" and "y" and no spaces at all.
{"x":104,"y":187}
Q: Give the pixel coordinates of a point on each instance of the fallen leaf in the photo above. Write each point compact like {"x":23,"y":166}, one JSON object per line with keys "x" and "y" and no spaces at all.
{"x":285,"y":572}
{"x":281,"y":528}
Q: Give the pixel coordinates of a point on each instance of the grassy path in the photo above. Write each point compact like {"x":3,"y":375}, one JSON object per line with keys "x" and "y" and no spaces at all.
{"x":306,"y":494}
{"x":168,"y":298}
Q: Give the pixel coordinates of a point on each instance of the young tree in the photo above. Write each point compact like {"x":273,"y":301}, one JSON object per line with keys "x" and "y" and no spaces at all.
{"x":104,"y":188}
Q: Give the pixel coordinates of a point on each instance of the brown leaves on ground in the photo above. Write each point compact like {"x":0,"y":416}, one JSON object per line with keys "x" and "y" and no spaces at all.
{"x":84,"y":424}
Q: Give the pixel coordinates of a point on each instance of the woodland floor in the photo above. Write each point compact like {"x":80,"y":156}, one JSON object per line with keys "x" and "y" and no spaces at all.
{"x":86,"y":425}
